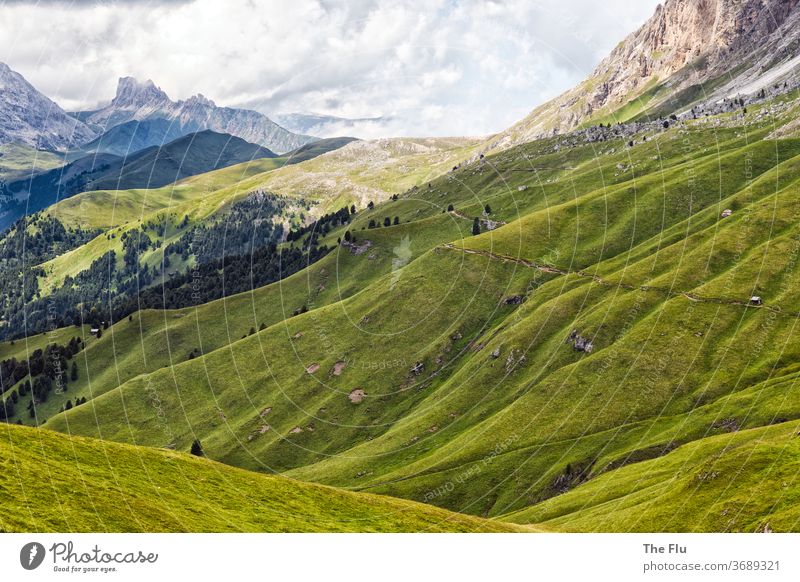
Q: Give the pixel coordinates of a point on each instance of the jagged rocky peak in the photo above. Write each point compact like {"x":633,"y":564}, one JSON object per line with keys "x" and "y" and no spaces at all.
{"x":710,"y":35}
{"x":27,"y":116}
{"x":131,"y":92}
{"x":736,"y":46}
{"x":200,"y":99}
{"x":137,"y":101}
{"x":10,"y":79}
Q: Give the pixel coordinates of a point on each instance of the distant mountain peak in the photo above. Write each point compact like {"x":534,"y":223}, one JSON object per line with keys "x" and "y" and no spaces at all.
{"x":134,"y":93}
{"x":29,"y":117}
{"x":200,"y":99}
{"x":145,"y":101}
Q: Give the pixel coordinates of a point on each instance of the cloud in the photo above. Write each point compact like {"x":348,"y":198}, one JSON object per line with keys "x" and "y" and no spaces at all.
{"x":90,"y":3}
{"x":436,"y":67}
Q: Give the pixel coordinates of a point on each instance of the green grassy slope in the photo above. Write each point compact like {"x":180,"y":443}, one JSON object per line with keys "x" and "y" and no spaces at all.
{"x":744,"y":481}
{"x":50,"y":483}
{"x":309,"y":170}
{"x":372,"y":170}
{"x":18,"y":161}
{"x":624,"y":246}
{"x":152,"y":340}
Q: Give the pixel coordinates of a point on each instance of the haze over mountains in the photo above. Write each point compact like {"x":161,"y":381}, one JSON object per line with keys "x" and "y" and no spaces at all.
{"x":327,"y":125}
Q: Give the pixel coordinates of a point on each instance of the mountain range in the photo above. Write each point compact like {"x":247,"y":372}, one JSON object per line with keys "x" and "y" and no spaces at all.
{"x":140,"y":115}
{"x":137,"y":101}
{"x":132,"y":136}
{"x":151,"y":167}
{"x":587,"y":322}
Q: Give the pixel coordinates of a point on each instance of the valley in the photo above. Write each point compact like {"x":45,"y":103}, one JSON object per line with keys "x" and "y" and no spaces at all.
{"x":572,"y":325}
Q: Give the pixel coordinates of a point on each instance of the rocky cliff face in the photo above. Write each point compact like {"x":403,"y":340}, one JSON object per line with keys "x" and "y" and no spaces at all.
{"x":136,"y":101}
{"x":685,"y":44}
{"x":28,"y":117}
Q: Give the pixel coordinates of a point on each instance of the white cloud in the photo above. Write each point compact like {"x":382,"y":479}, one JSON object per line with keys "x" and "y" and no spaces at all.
{"x":434,"y":67}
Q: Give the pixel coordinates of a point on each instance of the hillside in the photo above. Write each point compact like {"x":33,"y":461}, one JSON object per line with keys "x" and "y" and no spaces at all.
{"x":321,"y":178}
{"x":52,"y":483}
{"x":18,"y":161}
{"x":373,"y":170}
{"x":587,"y":329}
{"x":689,"y":53}
{"x":190,"y":155}
{"x":737,"y":482}
{"x":149,"y":168}
{"x":582,"y":332}
{"x":130,"y":137}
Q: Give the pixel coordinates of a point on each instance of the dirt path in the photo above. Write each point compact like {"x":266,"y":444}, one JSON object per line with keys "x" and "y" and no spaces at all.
{"x":668,"y":293}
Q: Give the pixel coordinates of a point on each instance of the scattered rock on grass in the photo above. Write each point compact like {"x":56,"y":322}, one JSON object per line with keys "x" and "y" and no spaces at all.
{"x":513,"y":300}
{"x":580,"y":343}
{"x":357,"y":396}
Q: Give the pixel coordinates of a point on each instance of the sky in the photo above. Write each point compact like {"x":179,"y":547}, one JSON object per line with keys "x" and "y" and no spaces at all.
{"x":424,"y":67}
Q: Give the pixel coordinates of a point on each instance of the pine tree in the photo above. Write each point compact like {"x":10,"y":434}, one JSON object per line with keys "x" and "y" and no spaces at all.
{"x":387,"y":221}
{"x":487,"y":209}
{"x":396,"y":220}
{"x":6,"y":409}
{"x":197,"y":449}
{"x":476,"y":226}
{"x":74,"y":371}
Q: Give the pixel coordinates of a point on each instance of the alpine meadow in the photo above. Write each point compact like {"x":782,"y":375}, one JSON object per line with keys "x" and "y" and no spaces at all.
{"x":586,"y":322}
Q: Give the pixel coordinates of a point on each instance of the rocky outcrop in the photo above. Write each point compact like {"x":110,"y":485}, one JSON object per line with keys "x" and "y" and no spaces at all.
{"x":747,"y":44}
{"x":580,"y":343}
{"x":137,"y":101}
{"x":28,"y":117}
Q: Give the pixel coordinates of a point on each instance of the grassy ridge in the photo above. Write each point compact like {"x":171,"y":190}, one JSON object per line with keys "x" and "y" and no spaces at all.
{"x":51,"y":483}
{"x":744,"y":482}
